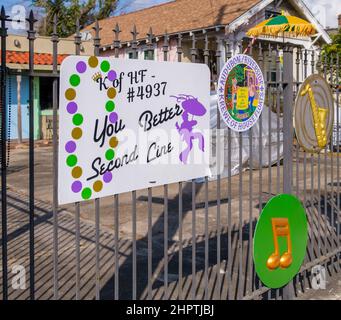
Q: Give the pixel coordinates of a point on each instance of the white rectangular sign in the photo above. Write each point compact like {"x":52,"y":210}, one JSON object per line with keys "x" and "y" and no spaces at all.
{"x":126,"y":125}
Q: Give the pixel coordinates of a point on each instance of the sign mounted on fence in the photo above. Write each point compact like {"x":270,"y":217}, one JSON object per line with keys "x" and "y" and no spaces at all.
{"x":127,"y":125}
{"x":241,"y":93}
{"x":314,"y":114}
{"x":280,"y":241}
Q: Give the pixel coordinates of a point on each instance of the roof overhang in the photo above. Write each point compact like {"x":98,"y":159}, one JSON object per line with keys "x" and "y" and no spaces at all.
{"x":245,"y":17}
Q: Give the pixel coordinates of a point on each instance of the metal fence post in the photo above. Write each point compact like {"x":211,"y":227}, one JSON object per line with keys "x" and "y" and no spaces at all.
{"x":77,"y":42}
{"x":97,"y":39}
{"x":288,"y":95}
{"x":219,"y":44}
{"x":97,"y":45}
{"x":3,"y":34}
{"x":150,"y":44}
{"x":31,"y":37}
{"x":134,"y":43}
{"x":117,"y":42}
{"x":55,"y":40}
{"x":116,"y":46}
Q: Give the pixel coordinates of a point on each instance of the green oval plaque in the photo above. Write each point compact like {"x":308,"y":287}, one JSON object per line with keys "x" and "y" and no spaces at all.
{"x":280,"y":241}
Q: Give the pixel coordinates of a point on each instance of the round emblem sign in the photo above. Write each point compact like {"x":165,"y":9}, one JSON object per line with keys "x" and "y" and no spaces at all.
{"x":241,"y":92}
{"x":314,"y":114}
{"x":280,"y":241}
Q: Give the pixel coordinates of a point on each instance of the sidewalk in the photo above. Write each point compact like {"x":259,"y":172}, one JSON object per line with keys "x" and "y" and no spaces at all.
{"x":240,"y":283}
{"x":332,"y":291}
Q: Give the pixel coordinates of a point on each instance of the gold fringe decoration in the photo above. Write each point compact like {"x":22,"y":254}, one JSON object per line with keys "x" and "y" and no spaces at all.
{"x":298,"y":30}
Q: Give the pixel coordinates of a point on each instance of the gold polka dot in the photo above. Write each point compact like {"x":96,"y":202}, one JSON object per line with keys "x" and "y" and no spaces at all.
{"x":93,"y":62}
{"x":98,"y":186}
{"x":111,"y":93}
{"x":70,"y":94}
{"x":77,"y":172}
{"x":113,"y":142}
{"x":77,"y":133}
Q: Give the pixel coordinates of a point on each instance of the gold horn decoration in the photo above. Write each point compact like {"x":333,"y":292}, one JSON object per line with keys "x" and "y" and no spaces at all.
{"x":319,"y":117}
{"x":314,"y":114}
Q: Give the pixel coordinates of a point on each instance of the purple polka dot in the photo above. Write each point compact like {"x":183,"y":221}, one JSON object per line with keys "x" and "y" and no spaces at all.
{"x":76,"y":186}
{"x":72,"y":107}
{"x":112,"y":75}
{"x":70,"y":147}
{"x":107,"y":177}
{"x":81,"y":67}
{"x":113,"y":117}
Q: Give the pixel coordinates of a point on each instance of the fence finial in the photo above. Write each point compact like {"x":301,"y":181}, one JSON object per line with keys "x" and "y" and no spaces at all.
{"x":134,"y":33}
{"x":117,"y":42}
{"x":150,"y":36}
{"x":31,"y":21}
{"x":97,"y":39}
{"x":134,"y":43}
{"x":97,"y":29}
{"x":117,"y":32}
{"x":31,"y":18}
{"x":3,"y":13}
{"x":3,"y":19}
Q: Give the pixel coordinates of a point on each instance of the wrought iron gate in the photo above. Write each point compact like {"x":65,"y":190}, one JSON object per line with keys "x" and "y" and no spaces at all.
{"x":198,"y":244}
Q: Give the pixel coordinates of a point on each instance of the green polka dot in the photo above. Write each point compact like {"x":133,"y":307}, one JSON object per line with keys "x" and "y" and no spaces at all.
{"x":86,"y":193}
{"x":105,"y":66}
{"x":75,"y":80}
{"x":110,"y":154}
{"x":77,"y":119}
{"x":110,"y":106}
{"x":71,"y":160}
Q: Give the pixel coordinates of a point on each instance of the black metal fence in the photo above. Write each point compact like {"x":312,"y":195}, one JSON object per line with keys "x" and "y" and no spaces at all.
{"x":197,"y":242}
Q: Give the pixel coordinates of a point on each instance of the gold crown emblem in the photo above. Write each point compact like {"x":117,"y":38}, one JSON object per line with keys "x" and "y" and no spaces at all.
{"x":97,"y":76}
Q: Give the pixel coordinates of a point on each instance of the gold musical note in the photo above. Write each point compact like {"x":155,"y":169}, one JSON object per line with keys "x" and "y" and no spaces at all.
{"x":280,"y":228}
{"x":319,"y":117}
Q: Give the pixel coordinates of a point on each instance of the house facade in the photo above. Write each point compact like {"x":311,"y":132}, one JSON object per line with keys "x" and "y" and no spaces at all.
{"x":197,"y":31}
{"x":17,"y":84}
{"x":215,"y":20}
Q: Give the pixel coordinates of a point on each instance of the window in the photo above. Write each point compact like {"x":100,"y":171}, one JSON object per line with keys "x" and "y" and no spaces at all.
{"x":149,"y":55}
{"x":130,"y":55}
{"x":270,"y":14}
{"x":271,"y":76}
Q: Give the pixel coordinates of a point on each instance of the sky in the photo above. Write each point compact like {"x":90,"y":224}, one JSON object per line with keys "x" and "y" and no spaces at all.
{"x":326,"y":11}
{"x":125,"y":6}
